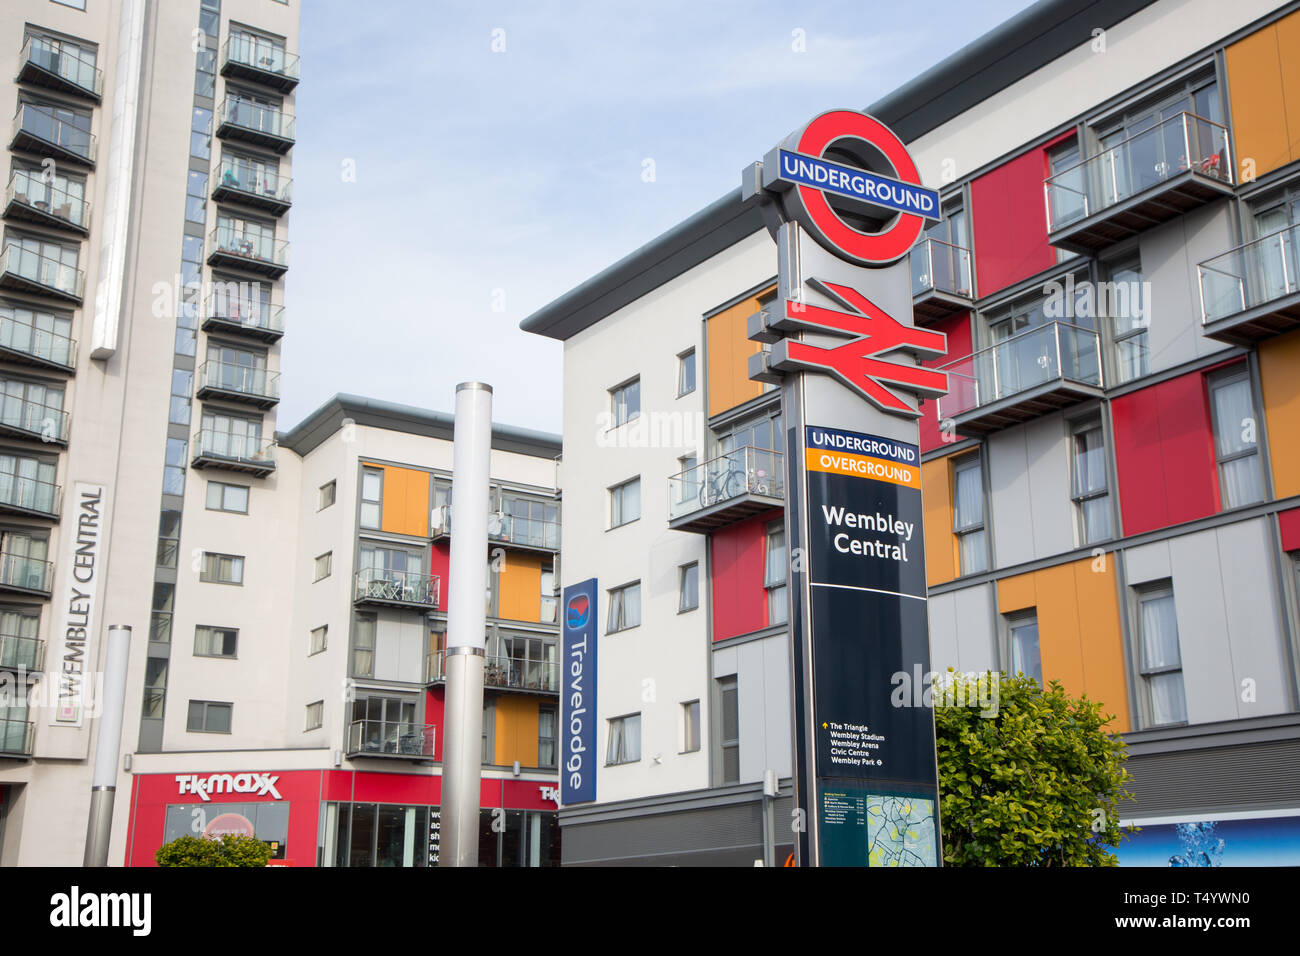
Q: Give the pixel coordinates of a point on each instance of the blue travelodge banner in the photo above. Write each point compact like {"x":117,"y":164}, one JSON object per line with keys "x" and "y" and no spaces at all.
{"x":578,"y":694}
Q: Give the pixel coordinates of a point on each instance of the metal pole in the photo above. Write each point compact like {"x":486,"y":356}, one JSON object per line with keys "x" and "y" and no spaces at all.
{"x":466,"y":626}
{"x":108,"y":746}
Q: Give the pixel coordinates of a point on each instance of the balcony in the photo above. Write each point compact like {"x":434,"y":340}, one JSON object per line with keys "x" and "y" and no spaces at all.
{"x":727,"y":489}
{"x":504,"y":673}
{"x":1253,"y":291}
{"x":243,"y":315}
{"x":43,"y":63}
{"x":248,"y":251}
{"x":30,"y":199}
{"x":253,"y":186}
{"x":38,"y":130}
{"x":1144,"y":180}
{"x":1028,"y":375}
{"x":377,"y":586}
{"x":23,"y":575}
{"x":16,"y":737}
{"x":250,"y":456}
{"x":26,"y":270}
{"x":385,"y":738}
{"x":24,"y":344}
{"x":20,"y":418}
{"x":238,"y":383}
{"x":941,"y":280}
{"x":28,"y":497}
{"x":243,"y":122}
{"x":21,"y":653}
{"x":260,"y":61}
{"x":514,"y":531}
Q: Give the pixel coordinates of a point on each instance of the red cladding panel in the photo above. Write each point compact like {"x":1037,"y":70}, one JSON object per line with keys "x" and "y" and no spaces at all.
{"x":957,"y":328}
{"x":1164,"y":454}
{"x":1009,"y":220}
{"x":439,"y":563}
{"x":1290,"y":527}
{"x":737,"y":554}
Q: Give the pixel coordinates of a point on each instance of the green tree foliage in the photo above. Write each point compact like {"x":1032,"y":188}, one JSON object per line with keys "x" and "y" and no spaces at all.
{"x":230,"y":850}
{"x":1035,"y":781}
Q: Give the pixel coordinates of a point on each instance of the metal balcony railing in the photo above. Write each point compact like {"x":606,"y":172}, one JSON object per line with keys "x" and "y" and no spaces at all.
{"x":243,"y":119}
{"x":29,"y":495}
{"x":70,"y":70}
{"x":508,"y":673}
{"x":31,"y":270}
{"x":30,"y":194}
{"x":255,"y":183}
{"x":262,"y":59}
{"x":239,"y":379}
{"x":380,"y":586}
{"x":19,"y":338}
{"x":245,"y":312}
{"x":1182,"y":143}
{"x":21,"y":653}
{"x":385,"y":738}
{"x":33,"y":420}
{"x":1251,"y":275}
{"x":37,"y":128}
{"x":1037,"y":356}
{"x":24,"y":573}
{"x":254,"y":249}
{"x":939,"y":266}
{"x":233,"y":449}
{"x":16,"y":736}
{"x":738,"y":474}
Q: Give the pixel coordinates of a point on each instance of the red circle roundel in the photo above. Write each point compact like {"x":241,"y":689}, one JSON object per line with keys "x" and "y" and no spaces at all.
{"x":818,"y":217}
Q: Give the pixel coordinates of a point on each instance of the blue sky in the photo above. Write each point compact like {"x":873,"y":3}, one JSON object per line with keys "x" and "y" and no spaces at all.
{"x":444,"y":190}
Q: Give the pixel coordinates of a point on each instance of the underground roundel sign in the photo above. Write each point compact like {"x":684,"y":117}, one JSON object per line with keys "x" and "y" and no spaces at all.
{"x":845,"y":172}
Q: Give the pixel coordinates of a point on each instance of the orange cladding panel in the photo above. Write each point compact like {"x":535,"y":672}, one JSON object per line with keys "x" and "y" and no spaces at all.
{"x":1259,"y":113}
{"x":1279,"y":373}
{"x":520,"y":583}
{"x":940,"y":542}
{"x":729,"y":351}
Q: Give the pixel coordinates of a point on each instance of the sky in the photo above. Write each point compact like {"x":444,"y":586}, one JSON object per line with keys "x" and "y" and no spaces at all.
{"x":460,"y":165}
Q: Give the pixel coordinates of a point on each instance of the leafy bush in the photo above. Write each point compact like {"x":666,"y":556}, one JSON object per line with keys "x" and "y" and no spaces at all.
{"x":1036,"y":784}
{"x":230,"y":850}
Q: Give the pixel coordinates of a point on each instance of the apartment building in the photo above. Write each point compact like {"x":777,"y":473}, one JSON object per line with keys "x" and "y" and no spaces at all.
{"x":1112,"y":499}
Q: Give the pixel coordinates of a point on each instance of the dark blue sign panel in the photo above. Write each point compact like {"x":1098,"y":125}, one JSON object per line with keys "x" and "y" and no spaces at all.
{"x":858,"y":184}
{"x":578,"y":694}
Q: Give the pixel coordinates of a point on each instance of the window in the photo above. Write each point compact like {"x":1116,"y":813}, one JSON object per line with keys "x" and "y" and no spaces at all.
{"x":155,"y":687}
{"x":215,"y":641}
{"x":160,"y":621}
{"x":372,"y":496}
{"x":1023,"y":633}
{"x":236,"y":370}
{"x":530,"y":521}
{"x":256,"y":49}
{"x":549,"y":599}
{"x":1065,"y":194}
{"x":209,"y":717}
{"x":24,"y":560}
{"x":624,"y":607}
{"x":729,"y":729}
{"x":75,"y":4}
{"x":546,"y":725}
{"x":1089,"y":491}
{"x":227,"y":436}
{"x":169,"y":537}
{"x":319,"y":639}
{"x":42,"y":334}
{"x":196,"y":197}
{"x":27,"y":482}
{"x":774,"y":574}
{"x":326,"y":495}
{"x":624,"y":740}
{"x":626,"y":402}
{"x":315,"y":716}
{"x":33,"y":407}
{"x":1161,"y":661}
{"x":1235,"y":447}
{"x":690,"y":726}
{"x":686,"y":373}
{"x":968,"y":515}
{"x":764,"y":431}
{"x":224,"y":497}
{"x":18,"y":637}
{"x":174,"y":466}
{"x":688,"y":588}
{"x":625,"y":503}
{"x":182,"y":386}
{"x":323,"y":565}
{"x":363,"y":646}
{"x":689,"y":484}
{"x":201,"y":134}
{"x":222,"y":568}
{"x":1128,"y":310}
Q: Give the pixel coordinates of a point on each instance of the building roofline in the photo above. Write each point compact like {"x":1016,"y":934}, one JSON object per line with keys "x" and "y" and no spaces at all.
{"x":1006,"y":54}
{"x":313,"y":430}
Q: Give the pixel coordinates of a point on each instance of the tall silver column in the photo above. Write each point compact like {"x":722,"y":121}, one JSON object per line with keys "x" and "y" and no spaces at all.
{"x":108,"y":746}
{"x":466,"y":626}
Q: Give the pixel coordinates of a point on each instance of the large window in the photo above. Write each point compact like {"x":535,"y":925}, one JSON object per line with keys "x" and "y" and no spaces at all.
{"x":27,"y":482}
{"x":372,"y":496}
{"x":1236,"y":448}
{"x":215,"y":641}
{"x":624,"y":607}
{"x":625,"y":401}
{"x":762,"y":431}
{"x":18,"y":637}
{"x":1089,"y":486}
{"x":209,"y":717}
{"x":230,"y":437}
{"x":43,"y":334}
{"x":224,"y":497}
{"x":728,"y":729}
{"x":774,"y":574}
{"x":1022,"y":631}
{"x":968,"y":515}
{"x":625,"y":503}
{"x":624,"y":740}
{"x":222,"y":568}
{"x":1161,"y":663}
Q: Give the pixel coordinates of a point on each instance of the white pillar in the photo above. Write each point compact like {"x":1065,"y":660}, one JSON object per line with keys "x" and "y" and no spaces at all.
{"x":108,"y":746}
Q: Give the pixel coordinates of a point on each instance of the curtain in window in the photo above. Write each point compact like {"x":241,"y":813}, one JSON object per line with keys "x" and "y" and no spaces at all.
{"x":1024,"y":651}
{"x":1160,"y":653}
{"x":969,"y":497}
{"x":1234,"y":419}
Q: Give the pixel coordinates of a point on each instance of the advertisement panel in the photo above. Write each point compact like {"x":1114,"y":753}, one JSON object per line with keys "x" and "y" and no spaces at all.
{"x":578,"y":694}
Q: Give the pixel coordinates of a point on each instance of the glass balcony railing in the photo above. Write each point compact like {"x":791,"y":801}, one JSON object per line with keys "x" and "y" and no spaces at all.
{"x":1182,"y":143}
{"x":738,"y":474}
{"x":38,"y":126}
{"x":939,"y":266}
{"x":251,"y":315}
{"x":16,"y":736}
{"x":1031,"y":358}
{"x":46,"y":201}
{"x":526,"y":532}
{"x":235,"y":449}
{"x":28,"y":267}
{"x":256,"y":249}
{"x":20,"y":338}
{"x":390,"y":738}
{"x":28,"y":494}
{"x":34,"y":419}
{"x":21,"y":653}
{"x":257,"y":119}
{"x":508,"y":673}
{"x":250,"y":53}
{"x":1250,"y":276}
{"x":239,"y":379}
{"x":69,"y":68}
{"x":24,"y":573}
{"x":382,"y":586}
{"x":257,"y":183}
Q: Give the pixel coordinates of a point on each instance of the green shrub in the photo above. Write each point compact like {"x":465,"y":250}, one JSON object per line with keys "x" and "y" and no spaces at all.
{"x":230,"y":850}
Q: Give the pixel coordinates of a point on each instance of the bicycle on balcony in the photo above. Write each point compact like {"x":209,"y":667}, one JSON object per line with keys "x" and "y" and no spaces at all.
{"x":735,"y":481}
